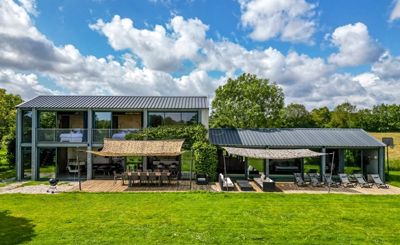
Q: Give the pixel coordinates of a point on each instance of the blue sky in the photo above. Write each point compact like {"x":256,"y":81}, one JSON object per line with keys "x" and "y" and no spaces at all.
{"x":321,"y":52}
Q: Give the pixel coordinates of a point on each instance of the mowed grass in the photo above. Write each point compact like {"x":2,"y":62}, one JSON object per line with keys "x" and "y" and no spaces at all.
{"x":194,"y":218}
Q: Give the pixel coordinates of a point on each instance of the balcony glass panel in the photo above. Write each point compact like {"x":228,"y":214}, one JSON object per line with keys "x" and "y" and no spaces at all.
{"x":116,"y":134}
{"x":66,"y":135}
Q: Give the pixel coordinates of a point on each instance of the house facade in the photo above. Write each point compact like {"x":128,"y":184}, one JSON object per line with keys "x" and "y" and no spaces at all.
{"x":60,"y":129}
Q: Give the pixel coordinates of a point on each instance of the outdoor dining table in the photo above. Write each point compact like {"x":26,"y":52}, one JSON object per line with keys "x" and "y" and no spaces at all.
{"x":157,"y":174}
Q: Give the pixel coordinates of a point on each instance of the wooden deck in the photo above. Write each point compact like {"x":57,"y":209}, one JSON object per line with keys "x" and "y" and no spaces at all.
{"x":111,"y":186}
{"x":184,"y":185}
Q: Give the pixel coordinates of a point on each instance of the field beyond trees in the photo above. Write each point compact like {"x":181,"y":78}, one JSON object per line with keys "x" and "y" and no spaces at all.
{"x":192,"y":218}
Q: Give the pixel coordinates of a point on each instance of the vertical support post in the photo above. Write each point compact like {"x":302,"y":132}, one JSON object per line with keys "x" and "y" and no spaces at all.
{"x":18,"y":149}
{"x":341,"y":161}
{"x":34,"y":159}
{"x":302,"y":167}
{"x":266,"y":171}
{"x":362,"y":161}
{"x":145,"y":118}
{"x":89,"y":160}
{"x":323,"y":162}
{"x":246,"y":168}
{"x":381,"y":162}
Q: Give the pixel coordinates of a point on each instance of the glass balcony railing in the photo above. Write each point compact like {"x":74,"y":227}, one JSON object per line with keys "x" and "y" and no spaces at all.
{"x":68,"y":135}
{"x":77,"y":135}
{"x":119,"y":134}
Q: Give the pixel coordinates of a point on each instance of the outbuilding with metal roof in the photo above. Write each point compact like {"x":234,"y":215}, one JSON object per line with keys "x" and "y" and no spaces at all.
{"x":350,"y":150}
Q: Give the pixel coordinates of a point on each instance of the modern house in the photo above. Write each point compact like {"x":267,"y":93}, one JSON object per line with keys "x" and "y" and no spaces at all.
{"x":61,"y":129}
{"x":350,"y":150}
{"x":55,"y":134}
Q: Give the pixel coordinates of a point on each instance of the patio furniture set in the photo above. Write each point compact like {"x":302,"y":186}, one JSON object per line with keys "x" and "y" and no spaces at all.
{"x":350,"y":181}
{"x":146,"y":177}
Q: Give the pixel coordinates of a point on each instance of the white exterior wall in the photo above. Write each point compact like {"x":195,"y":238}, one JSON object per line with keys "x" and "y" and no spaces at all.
{"x":204,"y":116}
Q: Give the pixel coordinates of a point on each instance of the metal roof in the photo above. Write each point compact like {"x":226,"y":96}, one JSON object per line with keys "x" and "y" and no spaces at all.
{"x":294,"y":138}
{"x":116,"y":102}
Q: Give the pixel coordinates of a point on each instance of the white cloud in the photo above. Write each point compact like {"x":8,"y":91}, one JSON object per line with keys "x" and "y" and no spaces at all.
{"x":26,"y":85}
{"x":290,"y":20}
{"x":179,"y":42}
{"x":395,"y":14}
{"x":387,"y":67}
{"x":355,"y":46}
{"x":26,"y":55}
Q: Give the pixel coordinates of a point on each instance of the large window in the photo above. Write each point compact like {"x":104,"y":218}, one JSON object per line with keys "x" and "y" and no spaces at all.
{"x":156,"y":119}
{"x":102,"y":120}
{"x":47,"y":119}
{"x":26,"y":157}
{"x":26,"y":126}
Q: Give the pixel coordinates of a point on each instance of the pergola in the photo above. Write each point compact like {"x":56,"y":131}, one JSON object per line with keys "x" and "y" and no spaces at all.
{"x":144,"y":148}
{"x":270,"y":154}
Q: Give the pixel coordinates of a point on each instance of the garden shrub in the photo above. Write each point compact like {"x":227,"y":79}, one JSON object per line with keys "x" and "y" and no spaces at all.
{"x":205,"y":159}
{"x":191,"y":134}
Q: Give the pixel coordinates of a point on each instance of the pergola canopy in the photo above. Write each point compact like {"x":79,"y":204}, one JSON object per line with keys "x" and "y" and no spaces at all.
{"x":272,"y":153}
{"x":126,"y":148}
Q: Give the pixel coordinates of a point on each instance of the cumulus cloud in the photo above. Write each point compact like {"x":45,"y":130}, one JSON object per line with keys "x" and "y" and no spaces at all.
{"x":355,"y":46}
{"x":26,"y":55}
{"x":395,"y":14}
{"x":180,"y":41}
{"x":19,"y":83}
{"x":290,"y":20}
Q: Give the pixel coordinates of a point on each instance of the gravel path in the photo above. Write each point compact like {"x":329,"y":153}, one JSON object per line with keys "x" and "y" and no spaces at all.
{"x":36,"y":189}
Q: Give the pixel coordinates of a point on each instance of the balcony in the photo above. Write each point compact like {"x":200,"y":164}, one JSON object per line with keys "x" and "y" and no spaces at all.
{"x":57,"y":135}
{"x":119,"y":134}
{"x":80,"y":135}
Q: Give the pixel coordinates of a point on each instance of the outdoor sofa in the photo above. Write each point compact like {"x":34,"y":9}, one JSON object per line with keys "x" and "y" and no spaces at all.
{"x":225,"y":183}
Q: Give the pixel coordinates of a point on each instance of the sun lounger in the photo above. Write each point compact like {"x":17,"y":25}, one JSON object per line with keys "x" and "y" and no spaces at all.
{"x":344,"y":179}
{"x":361,"y":181}
{"x":378,"y":182}
{"x":329,"y":181}
{"x":314,"y":180}
{"x":298,"y":179}
{"x":225,"y":183}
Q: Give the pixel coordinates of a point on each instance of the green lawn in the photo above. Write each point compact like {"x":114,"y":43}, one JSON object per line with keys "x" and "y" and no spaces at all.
{"x":193,"y":218}
{"x":394,"y":178}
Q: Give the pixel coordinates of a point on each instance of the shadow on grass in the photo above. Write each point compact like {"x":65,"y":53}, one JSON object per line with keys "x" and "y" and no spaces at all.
{"x":15,"y":230}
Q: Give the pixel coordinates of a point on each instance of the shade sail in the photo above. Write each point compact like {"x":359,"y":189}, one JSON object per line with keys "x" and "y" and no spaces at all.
{"x":272,"y":153}
{"x":126,"y":148}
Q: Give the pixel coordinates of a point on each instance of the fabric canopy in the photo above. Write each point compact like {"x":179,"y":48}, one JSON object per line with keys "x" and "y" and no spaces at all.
{"x":272,"y":153}
{"x":125,"y":148}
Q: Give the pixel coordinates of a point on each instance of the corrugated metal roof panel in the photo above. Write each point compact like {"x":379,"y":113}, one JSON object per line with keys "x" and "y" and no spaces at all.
{"x":117,"y":102}
{"x":293,"y":137}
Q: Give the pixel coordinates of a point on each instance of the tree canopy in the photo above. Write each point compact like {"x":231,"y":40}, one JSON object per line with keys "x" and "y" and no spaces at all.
{"x":296,"y":116}
{"x":247,"y":102}
{"x":8,"y":115}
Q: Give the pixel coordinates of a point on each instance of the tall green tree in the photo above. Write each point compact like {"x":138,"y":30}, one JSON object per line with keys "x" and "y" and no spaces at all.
{"x":8,"y":123}
{"x":344,"y":116}
{"x":385,"y":118}
{"x":8,"y":102}
{"x":321,"y":117}
{"x":296,"y":116}
{"x":247,"y":102}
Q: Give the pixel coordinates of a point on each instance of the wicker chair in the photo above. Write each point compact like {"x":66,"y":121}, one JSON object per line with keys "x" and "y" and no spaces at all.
{"x":152,"y":177}
{"x":143,"y":177}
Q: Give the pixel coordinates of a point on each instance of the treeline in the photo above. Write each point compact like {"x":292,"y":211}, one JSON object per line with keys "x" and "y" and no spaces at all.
{"x":379,"y":118}
{"x":252,"y":102}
